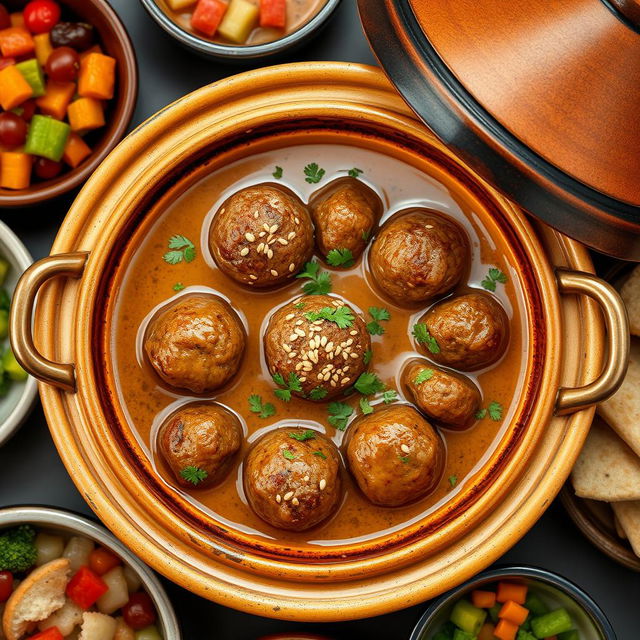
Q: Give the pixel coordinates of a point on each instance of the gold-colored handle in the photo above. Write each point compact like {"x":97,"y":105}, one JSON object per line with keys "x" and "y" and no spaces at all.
{"x":65,"y":265}
{"x":617,"y":324}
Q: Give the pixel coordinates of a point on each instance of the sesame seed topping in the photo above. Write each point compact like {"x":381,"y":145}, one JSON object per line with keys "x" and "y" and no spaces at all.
{"x":292,"y":235}
{"x":338,"y":350}
{"x":328,"y":347}
{"x":335,"y":377}
{"x":345,"y":380}
{"x":296,"y":220}
{"x":405,"y":448}
{"x":273,"y":228}
{"x":293,"y":354}
{"x":295,"y":502}
{"x":293,"y":337}
{"x":286,"y":347}
{"x":318,"y":322}
{"x":253,"y":277}
{"x":306,"y":478}
{"x":429,"y":226}
{"x":333,"y":383}
{"x":349,"y":342}
{"x":299,"y":366}
{"x":288,"y":496}
{"x":256,"y":214}
{"x":345,"y":355}
{"x":303,"y":379}
{"x":330,"y":354}
{"x":292,"y":267}
{"x":353,"y":332}
{"x":320,"y":376}
{"x":353,"y":355}
{"x":278,"y":498}
{"x":250,"y":237}
{"x":299,"y":322}
{"x":261,"y":247}
{"x":283,"y":242}
{"x":300,"y":332}
{"x":269,"y":254}
{"x":323,"y":484}
{"x":262,"y":234}
{"x":265,"y":226}
{"x":313,"y":356}
{"x":244,"y":251}
{"x":323,"y":341}
{"x":274,"y":273}
{"x":290,"y":316}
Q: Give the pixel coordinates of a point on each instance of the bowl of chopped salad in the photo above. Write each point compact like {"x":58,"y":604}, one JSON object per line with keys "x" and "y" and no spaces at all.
{"x":515,"y":603}
{"x":18,"y":391}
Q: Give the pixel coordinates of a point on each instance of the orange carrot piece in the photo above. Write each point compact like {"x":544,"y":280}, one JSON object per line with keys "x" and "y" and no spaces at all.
{"x":43,"y":46}
{"x":513,"y":612}
{"x":15,"y":170}
{"x":85,"y":114}
{"x":56,"y":99}
{"x":17,"y":19}
{"x":505,"y":630}
{"x":511,"y":591}
{"x":483,"y":599}
{"x":14,"y":89}
{"x":486,"y":633}
{"x":76,"y":150}
{"x":97,"y":77}
{"x":95,"y":49}
{"x":16,"y":42}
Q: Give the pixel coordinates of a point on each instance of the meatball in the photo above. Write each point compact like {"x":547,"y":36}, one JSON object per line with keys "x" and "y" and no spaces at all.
{"x":419,"y":255}
{"x":261,"y":236}
{"x":319,"y":339}
{"x":395,"y":455}
{"x":345,"y":215}
{"x":292,"y":478}
{"x":471,"y":331}
{"x":199,"y":443}
{"x":447,"y":397}
{"x":196,"y":343}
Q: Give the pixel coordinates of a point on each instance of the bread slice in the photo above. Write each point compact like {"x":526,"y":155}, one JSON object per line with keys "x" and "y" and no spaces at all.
{"x":36,"y":597}
{"x":628,"y":514}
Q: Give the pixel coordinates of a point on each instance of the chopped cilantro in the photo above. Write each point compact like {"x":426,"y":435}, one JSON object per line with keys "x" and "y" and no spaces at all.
{"x":368,"y":355}
{"x":320,"y":454}
{"x":313,"y":173}
{"x":453,"y":480}
{"x":340,"y":258}
{"x":257,"y":406}
{"x":194,"y":475}
{"x":339,"y":413}
{"x":365,"y":406}
{"x":481,"y":414}
{"x":320,"y":280}
{"x":389,"y":396}
{"x":495,"y":411}
{"x":494,"y":275}
{"x":403,"y":459}
{"x":423,"y":376}
{"x":318,"y":393}
{"x":355,"y":172}
{"x":342,"y":316}
{"x":365,"y":235}
{"x":178,"y":286}
{"x":309,"y":434}
{"x":368,"y":384}
{"x":422,"y":336}
{"x":292,"y":384}
{"x":379,"y":314}
{"x":300,"y":305}
{"x":181,"y":249}
{"x":288,"y":454}
{"x":277,"y":174}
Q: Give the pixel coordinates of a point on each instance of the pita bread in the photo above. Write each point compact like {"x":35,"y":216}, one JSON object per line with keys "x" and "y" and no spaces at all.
{"x":630,"y":292}
{"x":607,"y":468}
{"x":622,"y":410}
{"x":628,"y":514}
{"x":619,"y":530}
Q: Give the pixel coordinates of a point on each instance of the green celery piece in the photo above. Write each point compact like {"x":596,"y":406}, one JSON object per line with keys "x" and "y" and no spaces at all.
{"x":551,"y":624}
{"x":467,"y":617}
{"x":4,"y":269}
{"x":4,"y":324}
{"x":569,"y":635}
{"x":12,"y":368}
{"x":526,"y":625}
{"x":494,"y":611}
{"x":32,"y":73}
{"x":525,"y":635}
{"x":458,"y":634}
{"x":150,"y":633}
{"x":535,"y":604}
{"x":47,"y":137}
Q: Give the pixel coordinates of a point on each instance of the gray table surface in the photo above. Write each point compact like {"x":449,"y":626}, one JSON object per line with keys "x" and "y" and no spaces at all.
{"x":32,"y":473}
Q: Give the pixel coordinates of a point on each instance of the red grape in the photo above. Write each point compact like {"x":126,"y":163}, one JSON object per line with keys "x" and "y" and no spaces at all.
{"x":63,"y":64}
{"x":139,"y":612}
{"x":47,"y":169}
{"x":13,"y":129}
{"x":40,"y":16}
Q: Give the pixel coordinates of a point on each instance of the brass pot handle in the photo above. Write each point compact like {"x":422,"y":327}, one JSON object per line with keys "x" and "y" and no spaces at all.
{"x":65,"y":265}
{"x":617,"y":324}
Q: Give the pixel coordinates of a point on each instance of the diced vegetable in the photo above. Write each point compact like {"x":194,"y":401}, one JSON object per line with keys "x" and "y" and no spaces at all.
{"x":4,"y":324}
{"x":17,"y":549}
{"x":14,"y":89}
{"x":12,"y":368}
{"x":124,"y":631}
{"x":483,"y":599}
{"x":32,"y":73}
{"x":5,"y":266}
{"x":273,"y":13}
{"x":15,"y":170}
{"x":6,"y":585}
{"x":86,"y":588}
{"x":49,"y":547}
{"x":525,"y":635}
{"x":40,"y":16}
{"x":505,"y":630}
{"x":97,"y":626}
{"x":50,"y":634}
{"x":139,"y":612}
{"x":78,"y":551}
{"x":16,"y":42}
{"x":208,"y":15}
{"x":467,"y":617}
{"x":513,"y":612}
{"x":494,"y":611}
{"x":552,"y":623}
{"x":85,"y":114}
{"x":535,"y":604}
{"x":43,"y":46}
{"x":569,"y":635}
{"x":511,"y":591}
{"x":97,"y":76}
{"x":239,"y":20}
{"x":486,"y":633}
{"x":458,"y":634}
{"x":76,"y":150}
{"x":133,"y":579}
{"x":101,"y":561}
{"x":56,"y":99}
{"x":150,"y":633}
{"x":17,"y":20}
{"x":178,"y":5}
{"x":47,"y":137}
{"x":117,"y":596}
{"x":65,"y":619}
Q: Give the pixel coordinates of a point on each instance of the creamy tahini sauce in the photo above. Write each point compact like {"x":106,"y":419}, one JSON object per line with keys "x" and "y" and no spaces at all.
{"x":146,"y":282}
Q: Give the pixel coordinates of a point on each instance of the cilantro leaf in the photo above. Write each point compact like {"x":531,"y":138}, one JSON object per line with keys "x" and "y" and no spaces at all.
{"x":178,"y":286}
{"x":277,"y":174}
{"x":282,"y":394}
{"x":368,"y":355}
{"x":339,"y":413}
{"x":379,"y":313}
{"x":291,"y":384}
{"x":180,"y":242}
{"x":194,"y":475}
{"x":341,"y":316}
{"x":294,"y":382}
{"x":340,"y":258}
{"x":374,"y":328}
{"x":318,"y":393}
{"x":300,"y":305}
{"x":365,"y":235}
{"x":279,"y":379}
{"x":257,"y":406}
{"x":355,"y":172}
{"x":365,"y":406}
{"x":314,"y":173}
{"x":453,"y":480}
{"x":481,"y":414}
{"x":288,"y":454}
{"x":189,"y":254}
{"x":389,"y":396}
{"x":422,"y":336}
{"x":320,"y":454}
{"x":181,"y":249}
{"x":423,"y":376}
{"x":489,"y":284}
{"x":320,"y":280}
{"x":368,"y":384}
{"x":494,"y":275}
{"x":495,"y":411}
{"x":309,"y":434}
{"x":173,"y":257}
{"x":403,"y":459}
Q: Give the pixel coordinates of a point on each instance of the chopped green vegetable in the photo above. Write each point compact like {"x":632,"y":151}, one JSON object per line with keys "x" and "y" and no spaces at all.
{"x":320,"y":454}
{"x":422,"y":336}
{"x":339,"y":413}
{"x":459,"y":634}
{"x":403,"y":459}
{"x":178,"y":286}
{"x":181,"y":249}
{"x":320,"y":280}
{"x":289,"y":455}
{"x":569,"y":635}
{"x":17,"y":549}
{"x":300,"y":305}
{"x":314,"y":173}
{"x":11,"y":367}
{"x":368,"y":355}
{"x":47,"y":137}
{"x":453,"y":481}
{"x":523,"y":634}
{"x":365,"y":235}
{"x":148,"y":633}
{"x":368,"y":384}
{"x":5,"y":266}
{"x":494,"y":611}
{"x":257,"y":406}
{"x":341,"y":316}
{"x":309,"y":434}
{"x":494,"y":276}
{"x":365,"y":406}
{"x":32,"y":72}
{"x":340,"y":258}
{"x":318,"y":393}
{"x":277,"y":174}
{"x":551,"y":624}
{"x":379,"y":314}
{"x":194,"y":475}
{"x":355,"y":172}
{"x":389,"y":396}
{"x":467,"y":617}
{"x":535,"y":604}
{"x":5,"y":300}
{"x":423,"y":376}
{"x":495,"y":411}
{"x":291,"y":384}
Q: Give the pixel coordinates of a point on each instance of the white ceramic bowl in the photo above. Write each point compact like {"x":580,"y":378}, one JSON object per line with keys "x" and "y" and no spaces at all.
{"x":18,"y":403}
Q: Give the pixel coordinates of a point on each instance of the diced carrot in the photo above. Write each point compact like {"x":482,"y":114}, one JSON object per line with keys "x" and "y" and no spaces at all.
{"x":273,"y":13}
{"x":179,"y":5}
{"x":16,"y":42}
{"x":14,"y":89}
{"x":17,"y":19}
{"x":6,"y":62}
{"x":56,"y":99}
{"x":15,"y":170}
{"x":511,"y":591}
{"x":483,"y":599}
{"x":97,"y":77}
{"x":95,"y":49}
{"x":486,"y":633}
{"x":43,"y":46}
{"x":208,"y":15}
{"x":76,"y":150}
{"x":513,"y":612}
{"x":505,"y":630}
{"x":85,"y":114}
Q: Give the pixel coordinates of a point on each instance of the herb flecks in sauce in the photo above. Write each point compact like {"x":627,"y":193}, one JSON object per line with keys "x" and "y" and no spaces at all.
{"x":264,"y":410}
{"x":181,"y":248}
{"x":194,"y":475}
{"x":494,"y":276}
{"x":379,"y":314}
{"x":339,"y":413}
{"x":320,"y":281}
{"x":313,"y":173}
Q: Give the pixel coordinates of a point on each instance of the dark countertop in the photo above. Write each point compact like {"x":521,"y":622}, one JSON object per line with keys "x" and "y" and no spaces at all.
{"x":31,"y":471}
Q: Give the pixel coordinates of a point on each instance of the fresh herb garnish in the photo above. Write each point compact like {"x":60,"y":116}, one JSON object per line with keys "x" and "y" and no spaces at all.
{"x":389,"y":396}
{"x":264,"y":410}
{"x":423,"y":376}
{"x":365,"y":235}
{"x":341,"y":316}
{"x":320,"y":280}
{"x":368,"y":355}
{"x":494,"y":275}
{"x":355,"y":172}
{"x":379,"y":314}
{"x":495,"y":411}
{"x":277,"y":174}
{"x":320,"y":454}
{"x":318,"y":393}
{"x":309,"y":434}
{"x":368,"y":384}
{"x":453,"y":480}
{"x":181,"y":249}
{"x":422,"y":336}
{"x":481,"y":414}
{"x":300,"y":305}
{"x":291,"y":384}
{"x":194,"y":475}
{"x":339,"y":413}
{"x":288,"y":454}
{"x":365,"y":406}
{"x":178,"y":286}
{"x":340,"y":258}
{"x":403,"y":459}
{"x":314,"y":173}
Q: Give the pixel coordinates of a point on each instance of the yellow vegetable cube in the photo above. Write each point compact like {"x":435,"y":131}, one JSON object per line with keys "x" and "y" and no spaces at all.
{"x":15,"y":170}
{"x":178,"y":5}
{"x":241,"y":18}
{"x":85,"y":114}
{"x":43,"y":47}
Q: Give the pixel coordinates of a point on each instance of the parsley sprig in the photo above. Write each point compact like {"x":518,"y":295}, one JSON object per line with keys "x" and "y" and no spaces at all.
{"x":320,"y":454}
{"x":365,"y":406}
{"x":277,"y":174}
{"x":369,"y":384}
{"x":320,"y":281}
{"x":494,"y":276}
{"x":309,"y":434}
{"x":178,"y":286}
{"x":495,"y":411}
{"x":368,"y":356}
{"x":379,"y":314}
{"x":340,"y":258}
{"x":355,"y":172}
{"x":181,"y":249}
{"x":453,"y":480}
{"x":422,"y":336}
{"x":389,"y":396}
{"x":341,"y":316}
{"x":289,"y":455}
{"x":313,"y":173}
{"x":423,"y":376}
{"x":290,"y":385}
{"x":264,"y":410}
{"x":339,"y":413}
{"x":194,"y":475}
{"x":318,"y":393}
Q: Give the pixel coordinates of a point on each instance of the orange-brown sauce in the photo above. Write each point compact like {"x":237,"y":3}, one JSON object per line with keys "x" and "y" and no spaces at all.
{"x":146,"y":282}
{"x":299,"y":12}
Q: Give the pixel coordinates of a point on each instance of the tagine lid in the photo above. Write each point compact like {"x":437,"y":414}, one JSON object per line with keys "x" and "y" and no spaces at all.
{"x":540,"y":96}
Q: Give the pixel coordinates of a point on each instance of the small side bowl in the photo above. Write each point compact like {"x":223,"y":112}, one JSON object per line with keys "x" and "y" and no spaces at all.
{"x":116,"y":42}
{"x":17,"y":405}
{"x":70,"y":523}
{"x":580,"y":606}
{"x":240,"y":53}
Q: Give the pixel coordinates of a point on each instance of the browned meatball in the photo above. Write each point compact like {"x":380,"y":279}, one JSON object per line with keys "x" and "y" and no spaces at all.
{"x":292,"y":478}
{"x":446,"y":397}
{"x":261,"y":236}
{"x":471,"y":331}
{"x":199,"y":442}
{"x":395,"y":455}
{"x":419,"y":255}
{"x":196,"y":343}
{"x":345,"y":214}
{"x":304,"y":339}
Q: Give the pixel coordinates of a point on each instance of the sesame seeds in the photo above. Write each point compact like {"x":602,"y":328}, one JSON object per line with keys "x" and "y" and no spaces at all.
{"x":300,"y":332}
{"x":295,"y":502}
{"x":288,"y":496}
{"x":250,"y":237}
{"x":293,"y":337}
{"x":278,"y":498}
{"x":286,"y":347}
{"x":306,"y":478}
{"x":405,"y":448}
{"x":269,"y":253}
{"x":291,"y":236}
{"x":292,"y":267}
{"x":290,"y":316}
{"x":253,"y":277}
{"x":244,"y":251}
{"x":323,"y":484}
{"x":274,"y":273}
